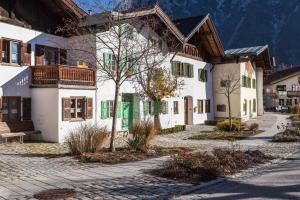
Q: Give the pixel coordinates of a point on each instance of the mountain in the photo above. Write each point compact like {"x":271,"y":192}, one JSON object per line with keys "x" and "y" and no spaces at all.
{"x":243,"y":23}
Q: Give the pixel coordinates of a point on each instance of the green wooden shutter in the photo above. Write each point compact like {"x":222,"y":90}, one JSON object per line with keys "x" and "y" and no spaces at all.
{"x":199,"y":74}
{"x":205,"y":75}
{"x":119,"y":110}
{"x":181,"y":69}
{"x":192,"y":71}
{"x":122,"y":31}
{"x":106,"y":60}
{"x":166,"y":108}
{"x":146,"y":108}
{"x":186,"y":69}
{"x":156,"y":107}
{"x":173,"y":65}
{"x":104,"y":109}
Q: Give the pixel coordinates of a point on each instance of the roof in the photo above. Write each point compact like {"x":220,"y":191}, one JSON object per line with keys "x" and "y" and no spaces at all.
{"x":282,"y":74}
{"x":248,"y":51}
{"x":187,"y":25}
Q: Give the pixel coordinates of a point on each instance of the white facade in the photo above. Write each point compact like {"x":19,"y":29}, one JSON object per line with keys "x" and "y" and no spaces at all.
{"x":244,"y":99}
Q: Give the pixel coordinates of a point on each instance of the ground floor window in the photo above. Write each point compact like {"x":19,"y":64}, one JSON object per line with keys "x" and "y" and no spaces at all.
{"x":77,"y":108}
{"x":148,"y":110}
{"x":245,"y":107}
{"x":175,"y":107}
{"x":221,"y":108}
{"x":207,"y":106}
{"x":289,"y":102}
{"x":11,"y":108}
{"x":200,"y":106}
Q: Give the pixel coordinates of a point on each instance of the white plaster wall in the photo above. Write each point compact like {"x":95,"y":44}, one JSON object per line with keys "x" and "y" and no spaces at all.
{"x":218,"y":75}
{"x":15,"y":80}
{"x":65,"y":127}
{"x":45,"y":112}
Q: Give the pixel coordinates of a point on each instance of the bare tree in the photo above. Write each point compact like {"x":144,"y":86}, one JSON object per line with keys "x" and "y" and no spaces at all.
{"x":157,"y":84}
{"x":228,"y":84}
{"x":117,"y":44}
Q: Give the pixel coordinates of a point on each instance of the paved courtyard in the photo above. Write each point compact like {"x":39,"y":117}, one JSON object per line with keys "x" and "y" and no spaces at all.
{"x":30,"y":168}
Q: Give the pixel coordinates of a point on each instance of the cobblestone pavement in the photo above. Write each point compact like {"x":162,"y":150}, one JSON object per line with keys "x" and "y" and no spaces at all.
{"x":29,"y":168}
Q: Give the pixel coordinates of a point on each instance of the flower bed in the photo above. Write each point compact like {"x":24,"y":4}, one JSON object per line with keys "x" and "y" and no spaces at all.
{"x":221,"y":135}
{"x":195,"y":167}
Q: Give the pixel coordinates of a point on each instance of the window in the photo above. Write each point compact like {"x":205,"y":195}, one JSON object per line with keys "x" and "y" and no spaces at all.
{"x":154,"y":42}
{"x":11,"y":51}
{"x":281,"y":87}
{"x":148,"y":110}
{"x":248,"y":82}
{"x":175,"y":107}
{"x":202,"y":75}
{"x":109,"y":61}
{"x":164,"y":108}
{"x":221,"y":108}
{"x":244,"y":80}
{"x":225,"y":83}
{"x":289,"y":102}
{"x":281,"y":102}
{"x":207,"y":106}
{"x":253,"y":83}
{"x":200,"y":106}
{"x":296,"y":101}
{"x":77,"y":106}
{"x":182,"y":69}
{"x":107,"y":108}
{"x":254,"y":105}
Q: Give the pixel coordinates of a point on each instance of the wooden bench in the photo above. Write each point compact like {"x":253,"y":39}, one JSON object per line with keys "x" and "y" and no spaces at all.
{"x":5,"y":136}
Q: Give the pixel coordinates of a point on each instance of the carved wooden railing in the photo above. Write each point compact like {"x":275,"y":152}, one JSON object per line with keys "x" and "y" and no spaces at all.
{"x":190,"y":50}
{"x":293,"y":93}
{"x":65,"y":75}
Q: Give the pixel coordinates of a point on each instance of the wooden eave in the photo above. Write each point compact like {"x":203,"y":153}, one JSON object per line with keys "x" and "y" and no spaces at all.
{"x":205,"y":34}
{"x":263,"y":59}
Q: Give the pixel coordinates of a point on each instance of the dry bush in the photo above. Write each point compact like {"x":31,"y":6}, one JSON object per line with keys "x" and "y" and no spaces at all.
{"x":296,"y":109}
{"x":145,"y":132}
{"x":86,"y":139}
{"x":236,"y":125}
{"x":295,"y":117}
{"x":253,"y":127}
{"x":205,"y":167}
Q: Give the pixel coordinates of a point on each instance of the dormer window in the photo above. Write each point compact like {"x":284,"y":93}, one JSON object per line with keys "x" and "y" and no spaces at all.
{"x":155,"y":42}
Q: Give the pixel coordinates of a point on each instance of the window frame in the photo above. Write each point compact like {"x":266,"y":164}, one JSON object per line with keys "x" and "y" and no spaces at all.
{"x":207,"y":106}
{"x":82,"y":98}
{"x":200,"y":106}
{"x":221,"y":108}
{"x":10,"y":41}
{"x":110,"y":108}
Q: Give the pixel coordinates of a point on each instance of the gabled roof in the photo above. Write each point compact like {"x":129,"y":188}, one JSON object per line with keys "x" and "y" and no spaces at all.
{"x":102,"y":18}
{"x":282,"y":74}
{"x":248,"y":51}
{"x":187,"y":25}
{"x":260,"y":54}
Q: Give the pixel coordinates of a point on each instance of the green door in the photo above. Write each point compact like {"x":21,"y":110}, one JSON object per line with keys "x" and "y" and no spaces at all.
{"x":127,"y":110}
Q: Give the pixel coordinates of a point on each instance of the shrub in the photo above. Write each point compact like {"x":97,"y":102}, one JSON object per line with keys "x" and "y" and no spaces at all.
{"x":253,"y":127}
{"x":145,"y":132}
{"x":134,"y":143}
{"x":236,"y":125}
{"x":296,"y":109}
{"x":176,"y":129}
{"x":287,"y":136}
{"x":295,"y":117}
{"x":86,"y":139}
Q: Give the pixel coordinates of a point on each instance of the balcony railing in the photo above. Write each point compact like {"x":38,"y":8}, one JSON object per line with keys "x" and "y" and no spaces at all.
{"x":190,"y":50}
{"x":293,"y":93}
{"x":64,"y":75}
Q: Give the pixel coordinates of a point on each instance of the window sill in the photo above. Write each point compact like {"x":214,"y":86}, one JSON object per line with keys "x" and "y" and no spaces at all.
{"x":77,"y":120}
{"x":10,"y":64}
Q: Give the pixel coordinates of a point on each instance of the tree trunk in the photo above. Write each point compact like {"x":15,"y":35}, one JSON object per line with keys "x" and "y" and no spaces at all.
{"x":157,"y":123}
{"x":114,"y":123}
{"x":229,"y":113}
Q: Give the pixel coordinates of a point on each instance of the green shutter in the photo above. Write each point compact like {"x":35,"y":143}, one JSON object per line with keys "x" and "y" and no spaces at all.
{"x":181,"y":69}
{"x":191,"y":71}
{"x":136,"y":66}
{"x":166,"y":107}
{"x":146,"y":108}
{"x":199,"y":74}
{"x":106,"y":60}
{"x":122,"y":31}
{"x":186,"y":69}
{"x":104,"y":109}
{"x":123,"y":64}
{"x":134,"y":34}
{"x":156,"y":107}
{"x":173,"y":65}
{"x":119,"y":110}
{"x":205,"y":75}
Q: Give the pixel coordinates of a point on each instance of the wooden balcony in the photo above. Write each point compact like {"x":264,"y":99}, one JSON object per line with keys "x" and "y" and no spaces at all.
{"x":62,"y":75}
{"x":190,"y":51}
{"x":293,"y":93}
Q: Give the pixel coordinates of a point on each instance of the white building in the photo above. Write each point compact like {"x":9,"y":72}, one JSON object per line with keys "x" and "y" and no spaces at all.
{"x":41,"y":89}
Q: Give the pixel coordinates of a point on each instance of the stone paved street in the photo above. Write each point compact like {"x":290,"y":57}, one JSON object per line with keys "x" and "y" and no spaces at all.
{"x":29,"y":168}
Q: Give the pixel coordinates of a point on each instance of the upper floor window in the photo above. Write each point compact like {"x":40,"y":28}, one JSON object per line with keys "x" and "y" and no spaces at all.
{"x":109,"y":61}
{"x":246,"y":81}
{"x":253,"y":83}
{"x":225,"y":83}
{"x":50,"y":56}
{"x":202,"y":75}
{"x":281,"y":87}
{"x":182,"y":69}
{"x":11,"y":51}
{"x":155,"y":42}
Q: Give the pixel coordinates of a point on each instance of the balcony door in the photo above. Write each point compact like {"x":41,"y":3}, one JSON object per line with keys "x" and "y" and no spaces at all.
{"x":11,"y":109}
